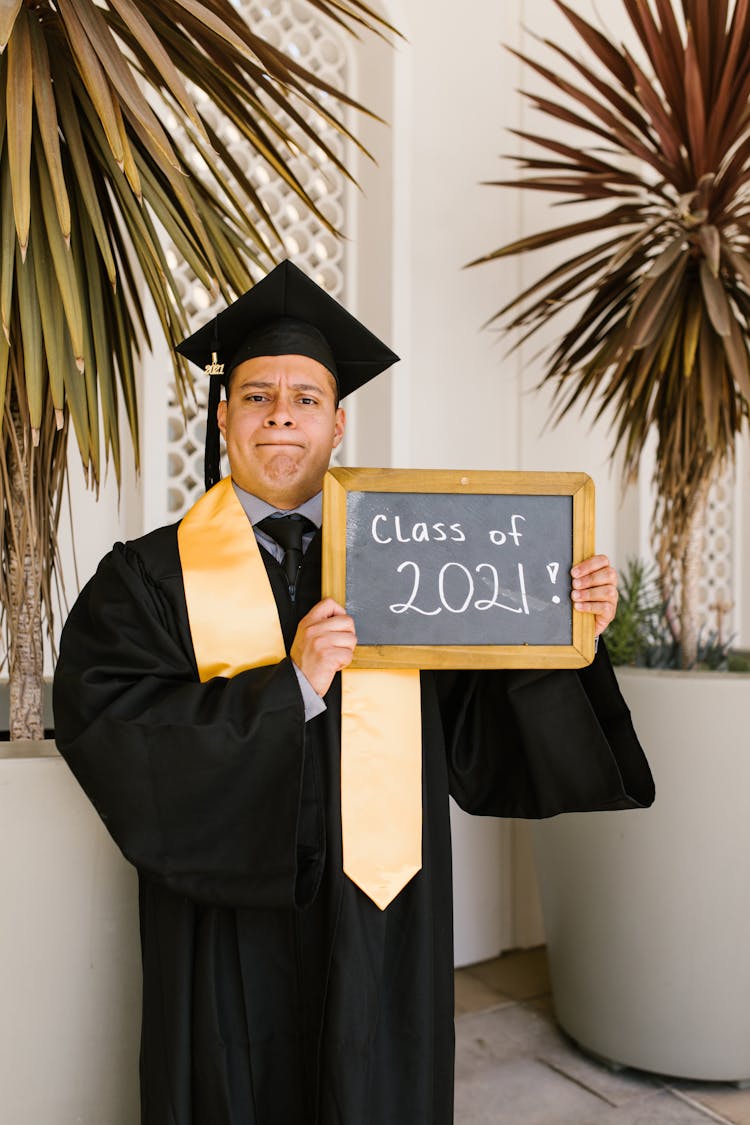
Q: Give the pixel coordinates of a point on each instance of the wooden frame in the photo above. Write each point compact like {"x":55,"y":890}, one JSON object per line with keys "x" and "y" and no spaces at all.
{"x":340,"y":481}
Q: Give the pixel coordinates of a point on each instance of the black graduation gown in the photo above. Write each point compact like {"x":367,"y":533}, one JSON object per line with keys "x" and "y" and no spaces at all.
{"x":274,"y":991}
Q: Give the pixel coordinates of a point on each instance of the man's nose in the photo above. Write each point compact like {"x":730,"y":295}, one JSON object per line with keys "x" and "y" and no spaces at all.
{"x":280,"y":414}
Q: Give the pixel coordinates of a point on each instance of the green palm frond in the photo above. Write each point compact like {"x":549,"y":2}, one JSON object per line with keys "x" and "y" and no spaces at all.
{"x":108,"y":142}
{"x":657,"y":308}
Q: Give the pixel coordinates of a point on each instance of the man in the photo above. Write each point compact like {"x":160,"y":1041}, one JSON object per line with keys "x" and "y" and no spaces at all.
{"x":275,"y":991}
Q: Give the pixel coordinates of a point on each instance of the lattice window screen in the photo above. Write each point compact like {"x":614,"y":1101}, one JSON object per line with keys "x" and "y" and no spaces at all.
{"x":319,"y":46}
{"x":717,"y":578}
{"x":717,"y":585}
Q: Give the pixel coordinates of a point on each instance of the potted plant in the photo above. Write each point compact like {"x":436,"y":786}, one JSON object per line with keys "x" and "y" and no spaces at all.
{"x":641,"y":634}
{"x":646,"y":916}
{"x":108,"y":143}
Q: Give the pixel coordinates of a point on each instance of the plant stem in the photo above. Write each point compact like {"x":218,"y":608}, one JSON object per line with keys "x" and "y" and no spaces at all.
{"x":690,"y":575}
{"x":24,"y":583}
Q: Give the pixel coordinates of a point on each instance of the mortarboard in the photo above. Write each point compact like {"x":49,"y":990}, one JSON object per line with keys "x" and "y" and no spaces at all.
{"x":284,"y":314}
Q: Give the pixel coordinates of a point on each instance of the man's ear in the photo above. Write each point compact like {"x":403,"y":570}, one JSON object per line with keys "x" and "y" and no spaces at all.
{"x":221,"y":416}
{"x":339,"y":426}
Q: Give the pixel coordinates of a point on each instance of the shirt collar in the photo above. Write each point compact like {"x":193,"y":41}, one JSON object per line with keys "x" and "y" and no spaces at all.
{"x":257,"y":509}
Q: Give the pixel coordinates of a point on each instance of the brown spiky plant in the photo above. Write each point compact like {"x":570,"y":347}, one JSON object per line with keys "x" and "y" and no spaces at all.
{"x":90,"y":177}
{"x":657,"y":285}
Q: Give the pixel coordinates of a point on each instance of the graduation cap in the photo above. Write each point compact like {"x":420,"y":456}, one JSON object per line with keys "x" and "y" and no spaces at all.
{"x":284,"y":314}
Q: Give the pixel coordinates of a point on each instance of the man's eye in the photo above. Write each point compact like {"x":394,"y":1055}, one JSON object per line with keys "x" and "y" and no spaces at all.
{"x":307,"y":401}
{"x":255,"y":398}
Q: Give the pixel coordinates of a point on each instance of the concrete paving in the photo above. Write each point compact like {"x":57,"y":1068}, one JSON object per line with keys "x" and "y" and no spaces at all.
{"x":514,"y":1066}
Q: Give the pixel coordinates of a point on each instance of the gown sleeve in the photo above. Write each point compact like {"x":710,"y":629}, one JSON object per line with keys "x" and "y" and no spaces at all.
{"x":538,"y":742}
{"x":200,"y":784}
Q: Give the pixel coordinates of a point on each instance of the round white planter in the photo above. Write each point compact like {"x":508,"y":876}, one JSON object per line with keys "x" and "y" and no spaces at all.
{"x":647,"y":913}
{"x":69,"y":952}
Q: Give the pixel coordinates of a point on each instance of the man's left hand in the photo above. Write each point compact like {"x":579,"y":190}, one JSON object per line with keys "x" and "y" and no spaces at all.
{"x":595,"y":590}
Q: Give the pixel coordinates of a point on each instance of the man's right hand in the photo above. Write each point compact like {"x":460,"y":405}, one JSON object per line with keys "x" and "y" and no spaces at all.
{"x":324,"y":643}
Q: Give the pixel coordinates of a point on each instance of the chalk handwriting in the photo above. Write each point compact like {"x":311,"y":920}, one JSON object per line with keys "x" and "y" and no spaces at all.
{"x":488,"y":603}
{"x":464,"y":568}
{"x":401,"y":607}
{"x":552,"y":569}
{"x":500,"y":537}
{"x":419,"y":532}
{"x":463,"y":606}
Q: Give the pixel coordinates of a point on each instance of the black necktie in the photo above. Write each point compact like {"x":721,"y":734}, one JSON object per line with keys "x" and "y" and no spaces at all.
{"x":287,"y":531}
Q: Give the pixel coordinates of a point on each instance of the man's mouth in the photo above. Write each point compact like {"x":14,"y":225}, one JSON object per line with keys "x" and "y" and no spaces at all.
{"x":279,"y":445}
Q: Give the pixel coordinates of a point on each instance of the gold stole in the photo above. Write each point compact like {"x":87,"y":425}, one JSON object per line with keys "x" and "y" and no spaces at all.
{"x":234,"y":625}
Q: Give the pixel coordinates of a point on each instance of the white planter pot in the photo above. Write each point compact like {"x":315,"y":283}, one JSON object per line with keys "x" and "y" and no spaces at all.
{"x":69,"y":952}
{"x":647,"y":913}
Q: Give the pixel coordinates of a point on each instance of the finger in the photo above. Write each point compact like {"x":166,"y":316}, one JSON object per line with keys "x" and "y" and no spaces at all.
{"x":595,"y":579}
{"x":331,"y":645}
{"x":335,"y":641}
{"x":603,"y":610}
{"x":596,"y":594}
{"x":343,"y":624}
{"x":323,"y":610}
{"x":588,"y":566}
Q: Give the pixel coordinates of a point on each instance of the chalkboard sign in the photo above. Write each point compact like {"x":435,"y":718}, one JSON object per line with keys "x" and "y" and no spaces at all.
{"x":444,"y":569}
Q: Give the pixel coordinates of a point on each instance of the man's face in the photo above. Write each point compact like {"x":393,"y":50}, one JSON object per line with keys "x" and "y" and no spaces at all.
{"x":281,"y":425}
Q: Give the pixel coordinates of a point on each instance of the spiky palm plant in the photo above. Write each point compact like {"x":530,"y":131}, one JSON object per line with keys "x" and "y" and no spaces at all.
{"x":89,"y":179}
{"x":657,"y":288}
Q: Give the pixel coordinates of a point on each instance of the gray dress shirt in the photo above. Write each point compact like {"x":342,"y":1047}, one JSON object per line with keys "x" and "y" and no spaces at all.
{"x":256,"y":510}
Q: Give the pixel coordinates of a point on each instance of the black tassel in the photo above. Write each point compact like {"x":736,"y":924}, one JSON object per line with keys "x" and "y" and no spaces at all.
{"x":212,"y":460}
